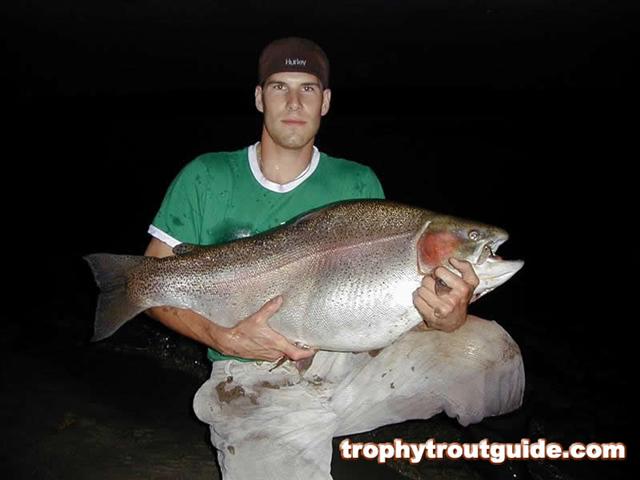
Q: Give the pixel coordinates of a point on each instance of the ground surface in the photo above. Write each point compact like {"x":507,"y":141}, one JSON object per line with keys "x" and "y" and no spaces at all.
{"x":122,"y":410}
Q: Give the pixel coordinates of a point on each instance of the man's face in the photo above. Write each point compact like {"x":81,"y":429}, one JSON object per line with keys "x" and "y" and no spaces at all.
{"x":292,"y":104}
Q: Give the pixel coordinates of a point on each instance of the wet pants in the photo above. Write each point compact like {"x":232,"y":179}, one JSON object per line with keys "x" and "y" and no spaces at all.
{"x":279,"y":424}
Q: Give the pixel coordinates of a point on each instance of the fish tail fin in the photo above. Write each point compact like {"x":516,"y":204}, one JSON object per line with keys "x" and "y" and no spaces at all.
{"x":114,"y":307}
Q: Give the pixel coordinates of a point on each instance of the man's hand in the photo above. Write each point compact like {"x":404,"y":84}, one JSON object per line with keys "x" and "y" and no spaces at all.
{"x":253,"y":338}
{"x":445,"y":308}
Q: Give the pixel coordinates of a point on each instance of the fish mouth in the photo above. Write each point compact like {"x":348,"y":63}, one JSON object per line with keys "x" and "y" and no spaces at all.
{"x":488,"y":251}
{"x":492,"y":270}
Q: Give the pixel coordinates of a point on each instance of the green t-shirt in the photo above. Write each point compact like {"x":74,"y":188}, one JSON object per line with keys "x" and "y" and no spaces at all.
{"x":223,"y":196}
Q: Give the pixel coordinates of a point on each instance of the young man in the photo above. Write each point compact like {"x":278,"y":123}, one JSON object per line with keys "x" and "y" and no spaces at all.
{"x":278,"y":423}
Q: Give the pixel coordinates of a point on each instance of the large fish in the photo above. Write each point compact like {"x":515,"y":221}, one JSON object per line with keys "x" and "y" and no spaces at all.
{"x":346,"y":273}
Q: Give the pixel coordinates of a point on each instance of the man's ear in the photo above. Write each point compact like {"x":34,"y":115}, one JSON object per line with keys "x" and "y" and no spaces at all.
{"x":326,"y":101}
{"x":258,"y":94}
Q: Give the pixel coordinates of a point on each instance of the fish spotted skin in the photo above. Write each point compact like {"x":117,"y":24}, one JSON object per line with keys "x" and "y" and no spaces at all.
{"x":346,"y":273}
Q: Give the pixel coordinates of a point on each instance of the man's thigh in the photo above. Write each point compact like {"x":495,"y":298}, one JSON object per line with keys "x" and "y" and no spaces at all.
{"x":471,"y":373}
{"x":279,"y":423}
{"x":267,"y":424}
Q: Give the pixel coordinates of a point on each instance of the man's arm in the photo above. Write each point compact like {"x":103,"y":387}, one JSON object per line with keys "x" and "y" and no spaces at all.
{"x":251,"y":338}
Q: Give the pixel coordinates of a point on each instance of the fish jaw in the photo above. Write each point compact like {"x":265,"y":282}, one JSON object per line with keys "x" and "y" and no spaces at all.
{"x":491,"y":269}
{"x":493,"y":272}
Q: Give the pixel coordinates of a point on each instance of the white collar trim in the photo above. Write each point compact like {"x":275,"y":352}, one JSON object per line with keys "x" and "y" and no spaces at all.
{"x":281,"y":187}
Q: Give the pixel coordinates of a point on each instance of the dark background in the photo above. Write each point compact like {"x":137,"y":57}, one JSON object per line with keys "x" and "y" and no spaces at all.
{"x":521,"y":114}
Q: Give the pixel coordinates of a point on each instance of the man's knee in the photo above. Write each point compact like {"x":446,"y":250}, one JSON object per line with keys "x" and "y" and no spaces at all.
{"x":486,"y":344}
{"x":483,"y":371}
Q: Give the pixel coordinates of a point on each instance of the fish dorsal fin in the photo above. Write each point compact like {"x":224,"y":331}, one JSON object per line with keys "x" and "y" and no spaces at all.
{"x":185,"y":249}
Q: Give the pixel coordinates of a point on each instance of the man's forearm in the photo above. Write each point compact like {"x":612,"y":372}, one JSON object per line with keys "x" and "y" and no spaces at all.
{"x":189,"y":324}
{"x":249,"y":338}
{"x":185,"y":322}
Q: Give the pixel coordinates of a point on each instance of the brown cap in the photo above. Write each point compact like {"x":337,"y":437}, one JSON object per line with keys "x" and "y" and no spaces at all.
{"x":293,"y":54}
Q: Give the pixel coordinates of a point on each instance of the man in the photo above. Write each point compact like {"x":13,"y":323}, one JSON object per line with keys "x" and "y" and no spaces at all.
{"x":271,"y":422}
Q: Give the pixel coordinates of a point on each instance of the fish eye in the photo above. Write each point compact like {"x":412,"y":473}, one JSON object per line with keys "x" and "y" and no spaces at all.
{"x":474,"y":235}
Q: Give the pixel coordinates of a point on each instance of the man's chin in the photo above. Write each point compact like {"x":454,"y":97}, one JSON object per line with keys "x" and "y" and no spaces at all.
{"x":295,"y":143}
{"x":292,"y":139}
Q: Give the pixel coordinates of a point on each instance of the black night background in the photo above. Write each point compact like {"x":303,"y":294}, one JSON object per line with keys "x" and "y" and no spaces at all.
{"x":519,"y":114}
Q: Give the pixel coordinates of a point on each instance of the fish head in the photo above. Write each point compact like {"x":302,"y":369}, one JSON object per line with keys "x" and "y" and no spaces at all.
{"x":444,"y":237}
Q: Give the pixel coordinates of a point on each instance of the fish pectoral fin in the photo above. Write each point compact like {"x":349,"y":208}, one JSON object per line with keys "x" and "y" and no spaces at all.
{"x":185,"y":249}
{"x":305,"y":217}
{"x":421,"y":327}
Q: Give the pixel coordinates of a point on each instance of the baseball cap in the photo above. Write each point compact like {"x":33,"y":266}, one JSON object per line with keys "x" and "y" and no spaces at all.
{"x":293,"y":54}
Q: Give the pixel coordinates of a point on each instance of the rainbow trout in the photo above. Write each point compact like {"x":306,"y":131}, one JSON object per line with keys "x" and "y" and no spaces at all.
{"x":346,"y":274}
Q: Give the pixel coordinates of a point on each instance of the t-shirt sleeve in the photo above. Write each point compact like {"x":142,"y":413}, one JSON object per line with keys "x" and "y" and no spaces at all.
{"x":180,"y":213}
{"x":373,"y":188}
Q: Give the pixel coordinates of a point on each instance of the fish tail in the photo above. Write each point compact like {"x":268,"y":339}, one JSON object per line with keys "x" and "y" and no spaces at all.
{"x":114,"y":307}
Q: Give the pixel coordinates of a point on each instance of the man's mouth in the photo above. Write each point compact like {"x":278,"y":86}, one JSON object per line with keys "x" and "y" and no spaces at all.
{"x":293,"y":122}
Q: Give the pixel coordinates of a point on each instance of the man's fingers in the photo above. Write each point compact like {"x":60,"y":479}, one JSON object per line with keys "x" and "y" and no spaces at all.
{"x":275,"y":341}
{"x":273,"y":345}
{"x":420,"y":303}
{"x":427,"y":291}
{"x":429,"y":297}
{"x":295,"y":353}
{"x":429,"y":315}
{"x":454,"y":281}
{"x":468,"y":273}
{"x":282,"y":345}
{"x":440,"y":287}
{"x":271,"y":356}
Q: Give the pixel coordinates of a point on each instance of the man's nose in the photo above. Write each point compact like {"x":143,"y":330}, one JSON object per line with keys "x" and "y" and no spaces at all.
{"x":293,"y":100}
